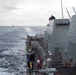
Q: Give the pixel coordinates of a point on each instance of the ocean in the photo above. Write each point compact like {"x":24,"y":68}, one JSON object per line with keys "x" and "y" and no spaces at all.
{"x":13,"y":49}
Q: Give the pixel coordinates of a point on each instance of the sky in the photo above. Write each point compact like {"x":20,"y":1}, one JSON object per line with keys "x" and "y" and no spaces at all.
{"x":32,"y":12}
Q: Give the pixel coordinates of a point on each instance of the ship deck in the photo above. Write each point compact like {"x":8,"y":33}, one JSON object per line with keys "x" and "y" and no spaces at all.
{"x":42,"y":54}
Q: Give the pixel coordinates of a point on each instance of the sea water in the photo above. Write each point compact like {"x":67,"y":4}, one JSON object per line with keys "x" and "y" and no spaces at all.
{"x":13,"y":49}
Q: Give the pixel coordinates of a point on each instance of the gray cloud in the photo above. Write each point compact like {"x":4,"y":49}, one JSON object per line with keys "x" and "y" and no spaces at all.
{"x":10,"y":8}
{"x":31,"y":12}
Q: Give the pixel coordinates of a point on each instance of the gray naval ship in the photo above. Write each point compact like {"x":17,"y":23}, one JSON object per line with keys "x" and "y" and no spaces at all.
{"x":55,"y":48}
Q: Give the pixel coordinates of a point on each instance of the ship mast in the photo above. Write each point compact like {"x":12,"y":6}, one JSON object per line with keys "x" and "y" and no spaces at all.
{"x":62,"y":9}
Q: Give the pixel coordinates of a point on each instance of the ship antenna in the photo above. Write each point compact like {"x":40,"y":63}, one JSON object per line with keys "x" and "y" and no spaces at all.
{"x":62,"y":9}
{"x":68,"y":12}
{"x":74,"y":10}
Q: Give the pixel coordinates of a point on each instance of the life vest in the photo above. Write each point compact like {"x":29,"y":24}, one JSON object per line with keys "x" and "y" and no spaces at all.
{"x":31,"y":65}
{"x":39,"y":65}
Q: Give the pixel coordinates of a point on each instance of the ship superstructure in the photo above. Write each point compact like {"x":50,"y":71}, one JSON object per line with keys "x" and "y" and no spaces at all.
{"x":56,"y":48}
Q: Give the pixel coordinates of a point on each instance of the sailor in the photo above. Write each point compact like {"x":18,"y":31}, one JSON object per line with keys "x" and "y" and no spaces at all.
{"x":31,"y":65}
{"x":46,"y":46}
{"x":29,"y":50}
{"x":39,"y":65}
{"x":49,"y":62}
{"x":57,"y":55}
{"x":66,"y":64}
{"x":28,"y":62}
{"x":33,"y":56}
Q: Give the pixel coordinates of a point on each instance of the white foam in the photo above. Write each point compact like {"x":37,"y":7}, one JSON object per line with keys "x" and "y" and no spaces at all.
{"x":4,"y":72}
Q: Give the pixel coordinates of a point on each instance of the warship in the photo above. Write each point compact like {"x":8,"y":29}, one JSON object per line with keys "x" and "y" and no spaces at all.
{"x":55,"y":48}
{"x":53,"y":51}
